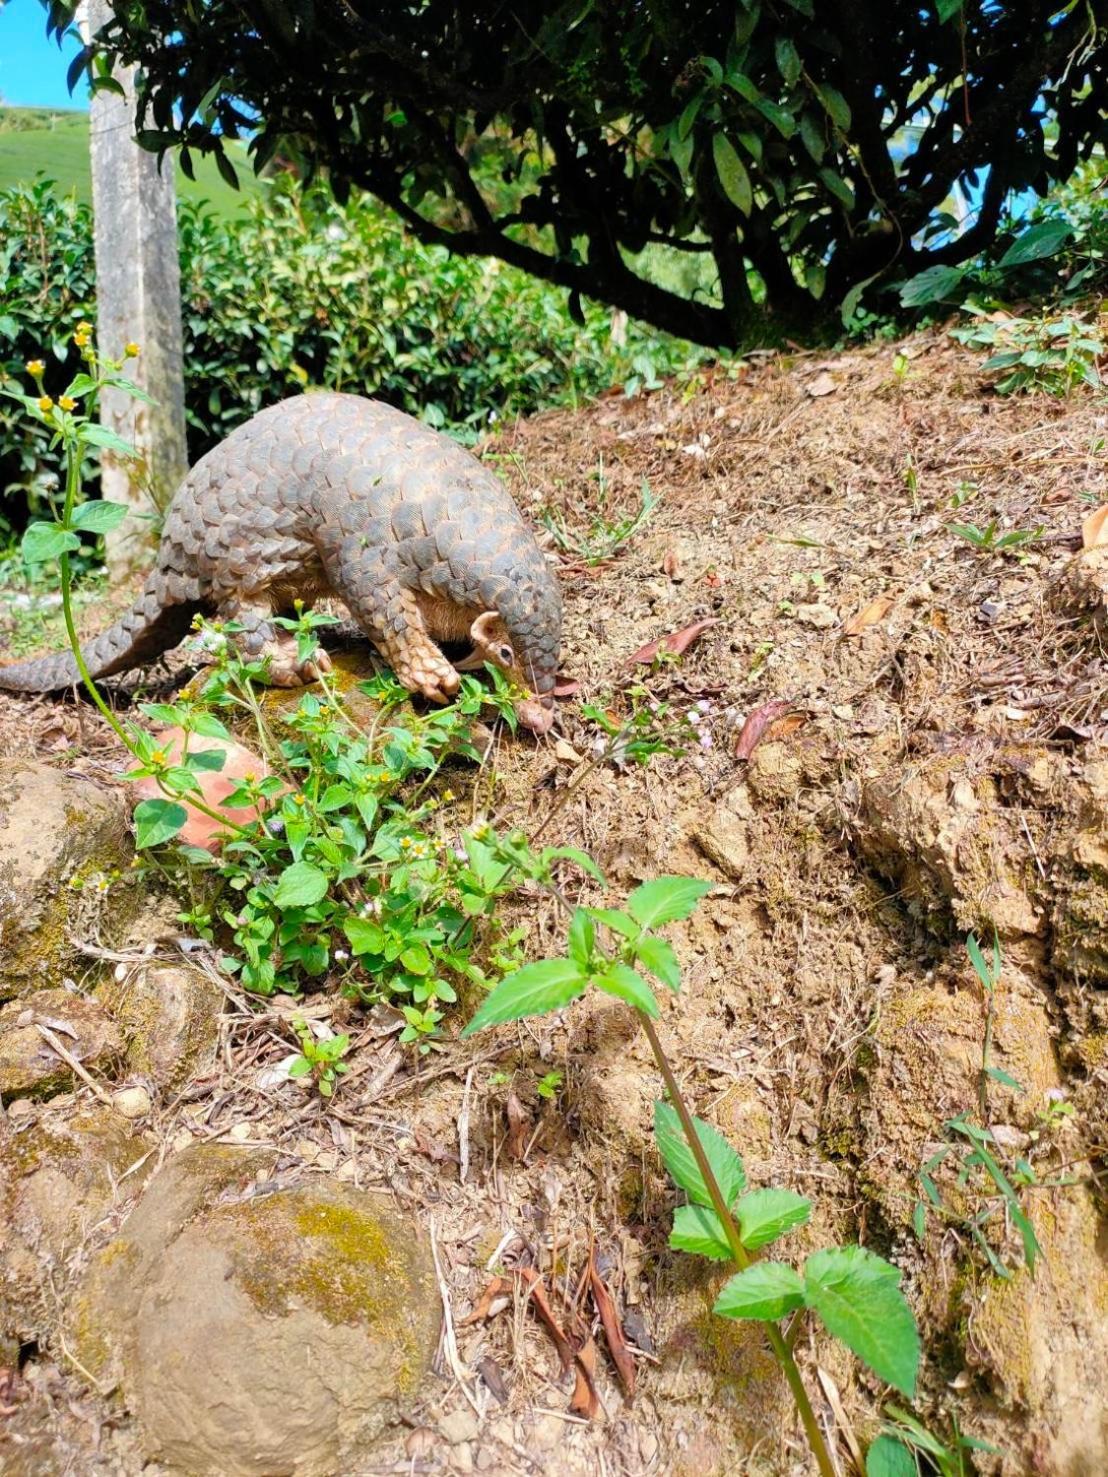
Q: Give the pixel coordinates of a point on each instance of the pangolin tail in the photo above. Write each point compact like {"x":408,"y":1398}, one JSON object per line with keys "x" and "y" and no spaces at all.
{"x":149,"y":628}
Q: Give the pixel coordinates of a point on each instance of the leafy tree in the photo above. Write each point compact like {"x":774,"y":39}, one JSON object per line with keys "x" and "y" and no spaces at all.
{"x":805,"y":147}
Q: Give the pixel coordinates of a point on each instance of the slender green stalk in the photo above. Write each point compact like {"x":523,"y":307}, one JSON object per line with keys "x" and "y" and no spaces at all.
{"x":781,"y":1347}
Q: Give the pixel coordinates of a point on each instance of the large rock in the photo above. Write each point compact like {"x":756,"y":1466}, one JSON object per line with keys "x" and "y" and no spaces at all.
{"x":61,"y":1173}
{"x":255,"y":1329}
{"x":29,"y":1065}
{"x":169,"y":1016}
{"x":64,"y":842}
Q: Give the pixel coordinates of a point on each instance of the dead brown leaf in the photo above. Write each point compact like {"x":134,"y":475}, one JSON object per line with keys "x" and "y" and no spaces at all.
{"x":566,"y":687}
{"x":567,"y":753}
{"x":869,"y":615}
{"x":775,"y":719}
{"x":823,"y":384}
{"x":677,"y":642}
{"x":492,"y":1301}
{"x":671,"y":566}
{"x":586,"y":1401}
{"x":537,"y":1293}
{"x":518,"y":1126}
{"x":613,"y":1331}
{"x":1094,"y":529}
{"x":490,"y":1372}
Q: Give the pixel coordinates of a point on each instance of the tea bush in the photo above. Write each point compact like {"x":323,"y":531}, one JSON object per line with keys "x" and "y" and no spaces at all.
{"x":298,"y":291}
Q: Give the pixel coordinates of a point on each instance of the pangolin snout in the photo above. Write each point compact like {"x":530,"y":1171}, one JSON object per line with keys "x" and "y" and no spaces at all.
{"x":536,"y":714}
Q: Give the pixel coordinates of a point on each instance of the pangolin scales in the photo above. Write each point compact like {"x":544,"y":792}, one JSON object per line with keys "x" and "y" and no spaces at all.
{"x":336,"y":494}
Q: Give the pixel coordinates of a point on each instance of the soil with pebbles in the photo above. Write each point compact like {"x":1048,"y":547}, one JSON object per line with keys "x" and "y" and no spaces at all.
{"x":942,"y":771}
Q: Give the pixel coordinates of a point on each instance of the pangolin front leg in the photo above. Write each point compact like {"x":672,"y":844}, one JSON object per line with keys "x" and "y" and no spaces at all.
{"x":391,"y":618}
{"x":260,"y":640}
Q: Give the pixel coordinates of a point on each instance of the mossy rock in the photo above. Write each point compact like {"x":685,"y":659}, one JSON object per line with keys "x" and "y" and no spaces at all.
{"x":65,"y":848}
{"x":29,"y":1066}
{"x":61,"y":1173}
{"x":169,"y":1017}
{"x":205,"y":1306}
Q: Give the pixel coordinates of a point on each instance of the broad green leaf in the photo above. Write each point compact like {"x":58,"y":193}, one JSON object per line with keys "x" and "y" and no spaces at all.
{"x":99,"y":516}
{"x":977,"y":959}
{"x":204,"y":759}
{"x":838,"y":187}
{"x":365,"y":936}
{"x":157,"y":821}
{"x":766,"y":1214}
{"x":657,"y":956}
{"x":947,"y":9}
{"x":208,"y":726}
{"x":812,"y":137}
{"x":618,"y":921}
{"x":784,"y":122}
{"x":107,"y":440}
{"x":582,"y":938}
{"x":665,"y":900}
{"x":933,"y":285}
{"x":416,"y":959}
{"x":1038,"y":241}
{"x":625,"y":983}
{"x":299,"y":886}
{"x":766,"y":1291}
{"x":888,"y":1457}
{"x":836,"y":106}
{"x":788,"y":59}
{"x":335,"y":797}
{"x":999,"y":1075}
{"x":688,"y":117}
{"x":535,"y":989}
{"x":43,"y":541}
{"x":576,"y":855}
{"x":700,"y":1230}
{"x":732,"y":174}
{"x":724,"y":1163}
{"x":857,"y":1294}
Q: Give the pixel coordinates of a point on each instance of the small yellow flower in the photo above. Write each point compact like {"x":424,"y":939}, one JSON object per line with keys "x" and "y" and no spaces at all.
{"x":405,"y":842}
{"x":67,"y":402}
{"x":250,"y":778}
{"x":298,"y":800}
{"x":45,"y":404}
{"x":84,"y":327}
{"x":36,"y":368}
{"x":159,"y":756}
{"x":447,"y":796}
{"x":132,"y":351}
{"x":81,"y":340}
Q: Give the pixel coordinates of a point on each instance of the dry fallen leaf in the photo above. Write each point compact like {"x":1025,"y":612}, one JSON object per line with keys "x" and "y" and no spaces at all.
{"x":566,"y":687}
{"x":613,"y":1332}
{"x":586,"y":1401}
{"x":775,"y":719}
{"x":671,"y":566}
{"x":493,"y":1300}
{"x":869,"y":615}
{"x":676,"y":642}
{"x":823,"y":384}
{"x":1094,"y":529}
{"x":518,"y":1126}
{"x":567,"y":753}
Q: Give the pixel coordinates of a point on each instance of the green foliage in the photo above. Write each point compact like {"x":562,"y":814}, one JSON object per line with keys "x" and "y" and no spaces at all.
{"x":808,"y":161}
{"x":1047,"y":354}
{"x":605,"y":537}
{"x":320,"y":1059}
{"x":296,"y":292}
{"x":903,"y":1437}
{"x":990,"y":540}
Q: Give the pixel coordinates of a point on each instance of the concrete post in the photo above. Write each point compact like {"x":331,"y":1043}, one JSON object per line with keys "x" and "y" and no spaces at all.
{"x":138,"y":294}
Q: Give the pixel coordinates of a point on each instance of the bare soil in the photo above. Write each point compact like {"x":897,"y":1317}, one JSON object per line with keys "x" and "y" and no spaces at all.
{"x":941,"y":770}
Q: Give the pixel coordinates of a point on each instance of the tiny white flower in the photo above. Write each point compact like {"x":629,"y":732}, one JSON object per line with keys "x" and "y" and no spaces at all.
{"x":694,"y":717}
{"x":341,"y":955}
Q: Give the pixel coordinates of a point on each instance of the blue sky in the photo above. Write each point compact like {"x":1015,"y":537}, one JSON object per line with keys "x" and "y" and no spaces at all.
{"x":32,"y":69}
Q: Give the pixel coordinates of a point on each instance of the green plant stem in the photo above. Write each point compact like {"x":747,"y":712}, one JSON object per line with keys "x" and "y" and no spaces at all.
{"x":778,"y":1343}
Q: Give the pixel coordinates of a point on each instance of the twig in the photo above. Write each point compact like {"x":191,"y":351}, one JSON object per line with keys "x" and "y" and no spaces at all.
{"x":71,"y":1061}
{"x":450,"y":1343}
{"x":463,"y":1129}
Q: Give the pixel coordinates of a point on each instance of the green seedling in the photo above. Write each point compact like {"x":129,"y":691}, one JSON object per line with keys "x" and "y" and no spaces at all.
{"x":320,"y":1059}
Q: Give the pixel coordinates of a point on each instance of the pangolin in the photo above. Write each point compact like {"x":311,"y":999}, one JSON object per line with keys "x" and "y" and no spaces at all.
{"x":329,"y":494}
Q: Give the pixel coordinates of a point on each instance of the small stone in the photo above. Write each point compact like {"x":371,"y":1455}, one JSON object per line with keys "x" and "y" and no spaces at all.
{"x":843,"y":711}
{"x":460,"y":1425}
{"x":989,"y":610}
{"x":822,"y":617}
{"x":884,"y":976}
{"x":132,"y":1102}
{"x":169,"y":1014}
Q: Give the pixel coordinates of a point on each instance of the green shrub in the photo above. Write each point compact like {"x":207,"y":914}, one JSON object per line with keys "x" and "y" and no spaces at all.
{"x":300,"y":291}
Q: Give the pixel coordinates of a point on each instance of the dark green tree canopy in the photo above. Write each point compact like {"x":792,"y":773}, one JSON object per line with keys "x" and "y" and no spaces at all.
{"x":806,"y":146}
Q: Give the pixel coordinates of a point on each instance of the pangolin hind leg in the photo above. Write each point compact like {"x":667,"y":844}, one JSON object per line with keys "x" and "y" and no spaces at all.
{"x":258,"y":639}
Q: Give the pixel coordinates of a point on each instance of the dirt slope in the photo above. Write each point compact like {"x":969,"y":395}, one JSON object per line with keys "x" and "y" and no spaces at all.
{"x":942,"y":771}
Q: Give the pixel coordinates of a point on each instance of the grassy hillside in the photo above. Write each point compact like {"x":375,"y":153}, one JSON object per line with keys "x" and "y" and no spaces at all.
{"x":35,"y":140}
